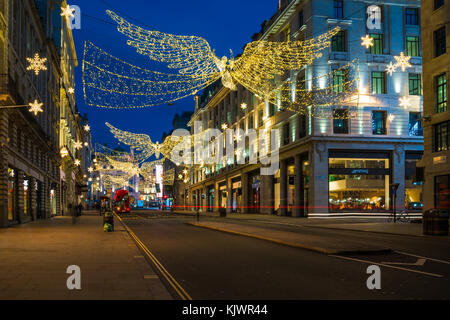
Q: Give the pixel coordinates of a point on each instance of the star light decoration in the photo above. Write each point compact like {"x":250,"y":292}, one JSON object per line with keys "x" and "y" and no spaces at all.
{"x":77,"y":162}
{"x":390,"y":68}
{"x":87,"y":128}
{"x":367,"y":41}
{"x":36,"y":107}
{"x":37,"y":64}
{"x":112,"y":83}
{"x":90,"y":169}
{"x":71,"y":90}
{"x":67,"y":12}
{"x":78,"y":145}
{"x":404,"y":102}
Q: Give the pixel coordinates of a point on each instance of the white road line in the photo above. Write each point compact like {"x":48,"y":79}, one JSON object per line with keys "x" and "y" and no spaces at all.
{"x":431,"y":259}
{"x":388,"y":266}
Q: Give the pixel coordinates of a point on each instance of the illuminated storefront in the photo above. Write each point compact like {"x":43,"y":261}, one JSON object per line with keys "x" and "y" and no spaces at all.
{"x":359,"y":181}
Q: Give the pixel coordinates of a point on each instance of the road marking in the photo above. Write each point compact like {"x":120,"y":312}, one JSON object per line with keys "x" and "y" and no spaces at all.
{"x":431,"y":259}
{"x":388,"y":266}
{"x":419,"y":262}
{"x":173,"y":283}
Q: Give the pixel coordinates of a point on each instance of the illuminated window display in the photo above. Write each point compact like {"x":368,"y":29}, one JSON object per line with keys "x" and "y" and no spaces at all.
{"x":359,"y":184}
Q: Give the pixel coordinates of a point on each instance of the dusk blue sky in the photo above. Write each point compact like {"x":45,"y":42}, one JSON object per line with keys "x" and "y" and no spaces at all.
{"x":224,"y":24}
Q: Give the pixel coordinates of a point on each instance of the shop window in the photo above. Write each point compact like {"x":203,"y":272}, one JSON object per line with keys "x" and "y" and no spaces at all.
{"x":12,"y":193}
{"x":359,"y":184}
{"x":379,"y":122}
{"x":413,"y":187}
{"x":442,"y":192}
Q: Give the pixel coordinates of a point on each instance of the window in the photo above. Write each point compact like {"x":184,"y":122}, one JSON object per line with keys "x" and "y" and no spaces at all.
{"x":272,"y":109}
{"x":378,"y":82}
{"x":340,"y":121}
{"x":338,"y":9}
{"x":377,"y":47}
{"x":302,"y":126}
{"x":338,"y":42}
{"x":442,"y":192}
{"x":441,"y":93}
{"x":261,"y":118}
{"x":412,"y":16}
{"x":379,"y":122}
{"x":300,"y":19}
{"x":438,"y":4}
{"x":415,"y":84}
{"x":441,"y":141}
{"x":250,"y":122}
{"x":412,"y":46}
{"x":415,"y":124}
{"x":439,"y":42}
{"x":286,"y":131}
{"x":339,"y":80}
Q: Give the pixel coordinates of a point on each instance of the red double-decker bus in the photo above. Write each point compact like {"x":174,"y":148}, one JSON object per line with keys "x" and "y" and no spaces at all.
{"x":121,"y":201}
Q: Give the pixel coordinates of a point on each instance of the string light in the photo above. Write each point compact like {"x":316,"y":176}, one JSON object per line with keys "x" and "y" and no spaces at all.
{"x":37,"y":64}
{"x":110,"y":82}
{"x":36,"y":107}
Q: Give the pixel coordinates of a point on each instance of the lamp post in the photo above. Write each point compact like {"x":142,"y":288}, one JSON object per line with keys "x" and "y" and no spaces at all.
{"x":394,"y":188}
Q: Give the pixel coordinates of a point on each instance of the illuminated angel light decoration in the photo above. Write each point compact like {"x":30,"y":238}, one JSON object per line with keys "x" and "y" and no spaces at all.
{"x":143,"y":143}
{"x":110,"y":82}
{"x":36,"y":107}
{"x":37,"y":64}
{"x":367,"y":41}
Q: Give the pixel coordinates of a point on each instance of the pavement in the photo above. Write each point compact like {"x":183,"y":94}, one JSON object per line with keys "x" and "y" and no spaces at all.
{"x":364,"y":224}
{"x":35,"y":258}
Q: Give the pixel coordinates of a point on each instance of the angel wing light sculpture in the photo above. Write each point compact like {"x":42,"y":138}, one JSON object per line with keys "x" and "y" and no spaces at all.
{"x":110,"y":82}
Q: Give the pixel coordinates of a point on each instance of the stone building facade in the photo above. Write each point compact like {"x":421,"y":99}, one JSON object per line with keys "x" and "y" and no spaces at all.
{"x":328,"y":165}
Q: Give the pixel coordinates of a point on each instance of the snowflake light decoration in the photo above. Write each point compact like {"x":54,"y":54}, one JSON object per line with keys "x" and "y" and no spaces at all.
{"x":67,"y":12}
{"x":404,"y":102}
{"x":36,"y":107}
{"x":390,"y":68}
{"x":37,"y":64}
{"x":402,"y":61}
{"x":77,"y":162}
{"x":71,"y":90}
{"x":367,"y":41}
{"x":78,"y":145}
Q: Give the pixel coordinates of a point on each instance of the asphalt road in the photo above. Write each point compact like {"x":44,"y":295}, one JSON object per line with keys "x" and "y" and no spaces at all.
{"x":215,"y":265}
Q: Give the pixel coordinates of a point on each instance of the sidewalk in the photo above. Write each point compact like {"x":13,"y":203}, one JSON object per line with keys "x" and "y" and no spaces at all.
{"x":35,"y":257}
{"x":354,"y":224}
{"x":317,"y":243}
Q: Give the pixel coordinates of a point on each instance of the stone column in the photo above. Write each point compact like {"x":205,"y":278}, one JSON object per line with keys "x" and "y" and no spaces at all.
{"x":229,"y":196}
{"x":299,"y":188}
{"x":398,"y":176}
{"x":318,"y":189}
{"x":244,"y":186}
{"x":32,"y":190}
{"x":267,"y":194}
{"x":20,"y":194}
{"x":283,"y":188}
{"x":3,"y":169}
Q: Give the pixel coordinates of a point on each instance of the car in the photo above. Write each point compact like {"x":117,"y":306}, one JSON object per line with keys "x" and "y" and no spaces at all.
{"x":415,"y":206}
